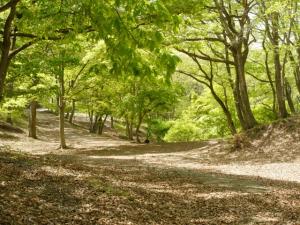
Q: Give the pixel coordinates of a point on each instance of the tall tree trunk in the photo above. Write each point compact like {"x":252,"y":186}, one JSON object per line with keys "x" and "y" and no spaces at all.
{"x":282,"y":112}
{"x":61,"y":107}
{"x":32,"y":120}
{"x":234,"y":88}
{"x":279,"y":82}
{"x":268,"y":71}
{"x":5,"y":48}
{"x":241,"y":93}
{"x":71,"y":116}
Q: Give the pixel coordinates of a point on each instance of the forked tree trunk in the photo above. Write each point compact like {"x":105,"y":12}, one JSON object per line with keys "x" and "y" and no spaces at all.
{"x":102,"y":124}
{"x":237,"y":34}
{"x":32,"y":120}
{"x":241,"y":93}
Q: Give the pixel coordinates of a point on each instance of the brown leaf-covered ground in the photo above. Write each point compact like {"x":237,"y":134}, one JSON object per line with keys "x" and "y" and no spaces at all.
{"x":105,"y":180}
{"x":63,"y":189}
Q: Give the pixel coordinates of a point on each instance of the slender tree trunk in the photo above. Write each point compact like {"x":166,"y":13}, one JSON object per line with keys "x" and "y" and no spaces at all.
{"x":32,"y":120}
{"x":129,"y":131}
{"x":226,"y":111}
{"x":279,"y":86}
{"x":57,"y":104}
{"x":91,"y":118}
{"x":112,"y":122}
{"x":296,"y":71}
{"x":279,"y":82}
{"x":137,"y":131}
{"x":72,"y":111}
{"x":268,"y":71}
{"x":288,"y":92}
{"x":61,"y":107}
{"x":95,"y":124}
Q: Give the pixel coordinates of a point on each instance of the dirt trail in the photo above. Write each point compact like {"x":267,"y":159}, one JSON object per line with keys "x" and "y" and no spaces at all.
{"x":210,"y":155}
{"x":289,"y":171}
{"x":77,"y":137}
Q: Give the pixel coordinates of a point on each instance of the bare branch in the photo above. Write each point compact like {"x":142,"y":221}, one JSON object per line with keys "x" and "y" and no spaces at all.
{"x":207,"y":58}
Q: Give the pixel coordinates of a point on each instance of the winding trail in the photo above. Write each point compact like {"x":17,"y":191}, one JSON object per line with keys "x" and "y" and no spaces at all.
{"x":201,"y":156}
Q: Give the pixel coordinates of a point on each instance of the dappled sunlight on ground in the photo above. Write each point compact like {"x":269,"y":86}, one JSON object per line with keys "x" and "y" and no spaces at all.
{"x":105,"y":180}
{"x":57,"y":189}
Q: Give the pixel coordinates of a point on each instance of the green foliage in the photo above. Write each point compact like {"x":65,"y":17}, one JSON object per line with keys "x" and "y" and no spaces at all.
{"x":120,"y":58}
{"x":183,"y":131}
{"x":157,"y":129}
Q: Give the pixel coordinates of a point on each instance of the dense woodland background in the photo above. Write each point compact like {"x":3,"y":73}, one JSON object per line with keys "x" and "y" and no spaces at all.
{"x":163,"y":70}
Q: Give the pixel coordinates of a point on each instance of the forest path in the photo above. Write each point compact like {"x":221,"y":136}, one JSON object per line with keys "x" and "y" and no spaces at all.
{"x":77,"y":137}
{"x":105,"y":180}
{"x":211,"y":155}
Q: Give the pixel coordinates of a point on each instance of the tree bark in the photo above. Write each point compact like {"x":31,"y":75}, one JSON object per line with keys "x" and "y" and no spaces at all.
{"x":32,"y":120}
{"x":112,"y":122}
{"x":137,"y":131}
{"x":245,"y":114}
{"x":268,"y":71}
{"x":129,"y":130}
{"x":61,"y":107}
{"x":102,"y":124}
{"x":236,"y":32}
{"x":282,"y":112}
{"x":288,"y":92}
{"x":95,"y":124}
{"x":5,"y":47}
{"x":273,"y":34}
{"x":91,"y":118}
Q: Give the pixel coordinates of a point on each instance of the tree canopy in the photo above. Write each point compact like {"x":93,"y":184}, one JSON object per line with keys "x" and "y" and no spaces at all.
{"x":166,"y":70}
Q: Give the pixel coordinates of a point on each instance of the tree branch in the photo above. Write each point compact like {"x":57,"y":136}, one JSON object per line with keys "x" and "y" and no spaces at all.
{"x":23,"y":47}
{"x":206,"y":57}
{"x":8,"y":5}
{"x":193,"y":76}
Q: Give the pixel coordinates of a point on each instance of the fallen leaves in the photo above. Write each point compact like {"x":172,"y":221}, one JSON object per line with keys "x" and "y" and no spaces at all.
{"x":63,"y":190}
